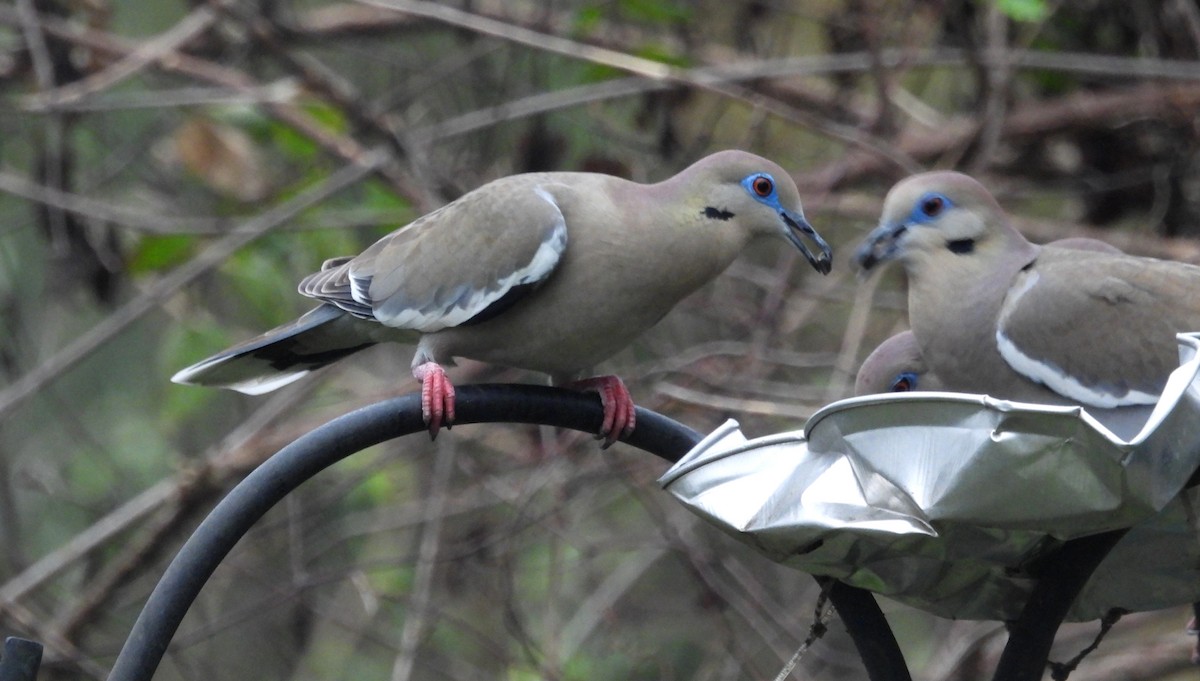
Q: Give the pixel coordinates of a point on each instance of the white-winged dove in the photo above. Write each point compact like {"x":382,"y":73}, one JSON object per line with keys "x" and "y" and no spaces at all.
{"x":897,"y":364}
{"x":552,"y":272}
{"x":995,"y":314}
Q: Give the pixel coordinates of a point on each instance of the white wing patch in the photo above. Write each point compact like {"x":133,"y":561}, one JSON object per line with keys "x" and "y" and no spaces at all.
{"x":1062,"y":383}
{"x":359,"y":287}
{"x":458,"y":305}
{"x":1052,"y":376}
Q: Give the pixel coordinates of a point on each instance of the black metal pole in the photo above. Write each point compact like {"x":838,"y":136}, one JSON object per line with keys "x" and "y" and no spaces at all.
{"x":869,"y":629}
{"x":21,"y":659}
{"x":345,"y":435}
{"x":1062,"y":576}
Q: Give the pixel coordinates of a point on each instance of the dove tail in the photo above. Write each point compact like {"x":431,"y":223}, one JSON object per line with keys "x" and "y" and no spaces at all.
{"x":279,"y":356}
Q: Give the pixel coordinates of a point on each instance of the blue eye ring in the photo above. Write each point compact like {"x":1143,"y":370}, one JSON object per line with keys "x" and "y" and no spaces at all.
{"x":760,"y":185}
{"x":905,"y":382}
{"x":929,"y":207}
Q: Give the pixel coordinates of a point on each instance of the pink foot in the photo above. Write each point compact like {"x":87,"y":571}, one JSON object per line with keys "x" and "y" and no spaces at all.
{"x":437,"y":397}
{"x":619,"y":414}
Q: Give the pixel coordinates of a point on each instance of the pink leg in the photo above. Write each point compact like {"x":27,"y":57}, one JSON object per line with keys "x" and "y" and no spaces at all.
{"x":437,"y":396}
{"x":619,"y":414}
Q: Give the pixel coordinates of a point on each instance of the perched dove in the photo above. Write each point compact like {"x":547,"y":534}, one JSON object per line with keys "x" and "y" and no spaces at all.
{"x":993,"y":313}
{"x":552,"y":272}
{"x":897,"y":365}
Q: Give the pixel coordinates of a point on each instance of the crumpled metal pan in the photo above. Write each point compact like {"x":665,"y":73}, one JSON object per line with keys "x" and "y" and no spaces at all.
{"x":941,"y":500}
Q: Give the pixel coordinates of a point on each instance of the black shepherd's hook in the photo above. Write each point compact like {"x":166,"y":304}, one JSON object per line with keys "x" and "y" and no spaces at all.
{"x":1024,"y":658}
{"x":343,"y":436}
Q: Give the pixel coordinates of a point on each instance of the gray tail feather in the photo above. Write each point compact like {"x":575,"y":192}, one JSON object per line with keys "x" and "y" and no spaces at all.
{"x":279,"y":356}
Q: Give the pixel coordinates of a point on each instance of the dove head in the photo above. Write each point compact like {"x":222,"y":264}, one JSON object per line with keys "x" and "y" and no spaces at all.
{"x":760,"y":197}
{"x":935,"y":216}
{"x":896,"y":366}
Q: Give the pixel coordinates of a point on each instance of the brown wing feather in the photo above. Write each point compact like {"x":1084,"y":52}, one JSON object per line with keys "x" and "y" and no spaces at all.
{"x":454,"y":264}
{"x":1108,"y":321}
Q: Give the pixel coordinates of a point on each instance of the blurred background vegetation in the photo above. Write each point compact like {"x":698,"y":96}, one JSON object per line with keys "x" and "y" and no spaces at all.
{"x":170,"y":169}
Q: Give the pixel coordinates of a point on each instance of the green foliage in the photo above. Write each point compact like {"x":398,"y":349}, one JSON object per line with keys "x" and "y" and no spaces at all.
{"x":655,"y":11}
{"x":662,"y":13}
{"x":157,"y":253}
{"x":1024,"y":10}
{"x":260,"y":279}
{"x":587,"y":19}
{"x":391,"y":581}
{"x":379,"y":196}
{"x":377,"y":488}
{"x":181,"y":345}
{"x":296,"y":145}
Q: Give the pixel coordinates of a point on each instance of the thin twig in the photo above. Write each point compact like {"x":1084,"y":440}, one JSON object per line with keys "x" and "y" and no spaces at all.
{"x":422,"y":589}
{"x":155,"y":223}
{"x":725,"y":403}
{"x":278,"y":92}
{"x":822,"y":613}
{"x":1060,"y":671}
{"x":195,"y":23}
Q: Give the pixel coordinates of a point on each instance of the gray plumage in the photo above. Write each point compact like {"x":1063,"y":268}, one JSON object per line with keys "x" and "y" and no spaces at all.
{"x":897,"y":364}
{"x":553,"y":272}
{"x":996,"y":314}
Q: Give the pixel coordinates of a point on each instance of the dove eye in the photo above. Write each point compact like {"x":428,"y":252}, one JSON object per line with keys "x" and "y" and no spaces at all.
{"x":763,"y":186}
{"x":905,"y":382}
{"x":933,"y":205}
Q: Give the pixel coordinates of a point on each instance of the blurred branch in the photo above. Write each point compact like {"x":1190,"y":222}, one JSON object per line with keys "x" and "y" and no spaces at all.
{"x":733,"y":404}
{"x":337,"y":91}
{"x":380,"y":16}
{"x":154,"y":223}
{"x":279,"y":92}
{"x":1028,"y":120}
{"x":234,"y":456}
{"x":649,"y":69}
{"x":49,"y":370}
{"x":996,"y":89}
{"x":155,"y":50}
{"x":26,"y":18}
{"x":724,"y":575}
{"x":794,"y":67}
{"x":417,"y":617}
{"x":604,"y":598}
{"x":340,"y":146}
{"x":1176,"y":102}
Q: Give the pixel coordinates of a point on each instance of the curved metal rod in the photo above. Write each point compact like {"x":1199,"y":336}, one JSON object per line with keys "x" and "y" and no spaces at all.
{"x":329,"y":443}
{"x":1063,"y":575}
